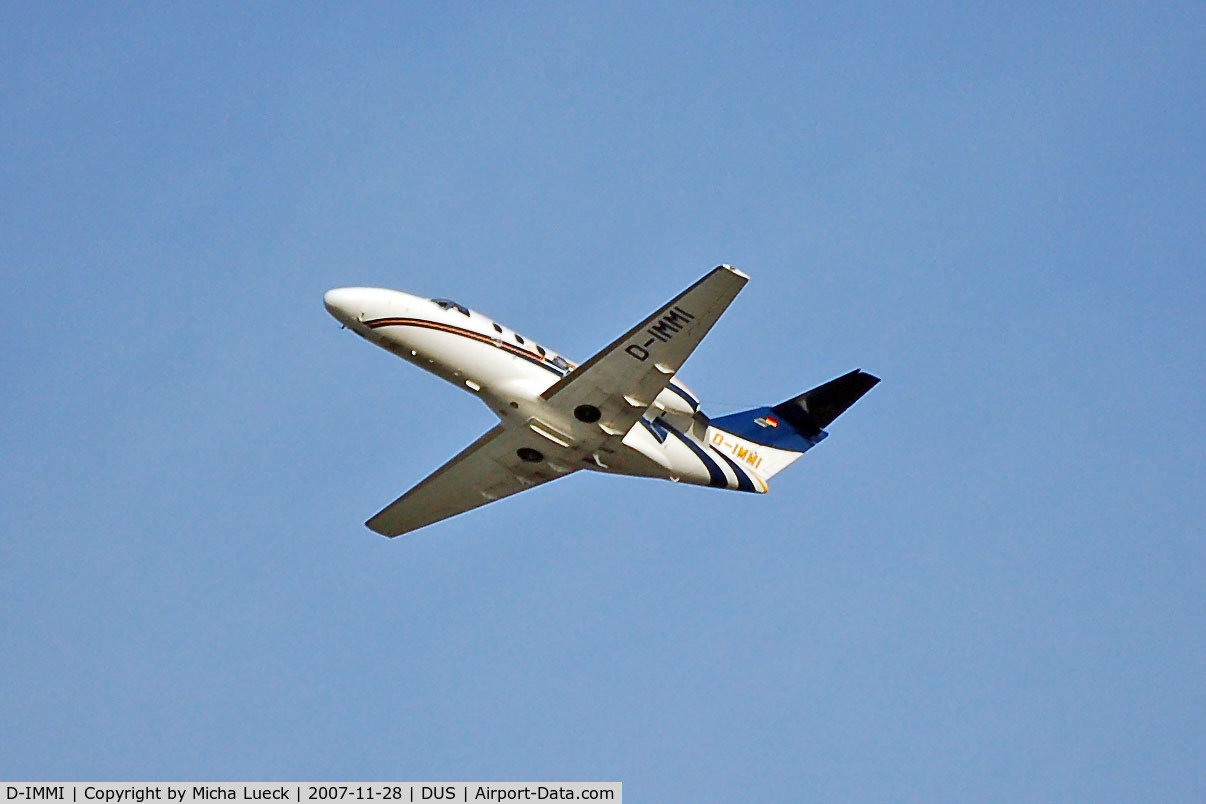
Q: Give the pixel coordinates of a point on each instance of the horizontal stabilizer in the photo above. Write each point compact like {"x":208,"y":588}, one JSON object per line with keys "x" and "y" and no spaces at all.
{"x":812,"y":411}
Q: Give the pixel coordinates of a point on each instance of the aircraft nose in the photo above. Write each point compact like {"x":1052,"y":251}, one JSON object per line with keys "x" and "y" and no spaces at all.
{"x":346,"y":304}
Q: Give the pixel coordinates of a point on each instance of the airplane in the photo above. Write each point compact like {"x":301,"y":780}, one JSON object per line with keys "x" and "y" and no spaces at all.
{"x":624,"y":411}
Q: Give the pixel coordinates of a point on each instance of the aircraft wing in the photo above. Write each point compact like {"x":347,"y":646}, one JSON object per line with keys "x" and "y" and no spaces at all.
{"x":624,"y":378}
{"x":487,"y":470}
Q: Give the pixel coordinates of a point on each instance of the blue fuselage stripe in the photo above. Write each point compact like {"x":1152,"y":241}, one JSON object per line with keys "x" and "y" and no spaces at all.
{"x":655,"y":429}
{"x":714,"y":471}
{"x":743,"y":480}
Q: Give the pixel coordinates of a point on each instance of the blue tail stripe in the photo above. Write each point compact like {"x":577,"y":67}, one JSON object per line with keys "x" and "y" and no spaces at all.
{"x":755,"y":425}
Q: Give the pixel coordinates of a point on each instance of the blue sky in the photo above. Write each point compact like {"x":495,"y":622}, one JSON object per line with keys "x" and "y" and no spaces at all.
{"x":986,"y":585}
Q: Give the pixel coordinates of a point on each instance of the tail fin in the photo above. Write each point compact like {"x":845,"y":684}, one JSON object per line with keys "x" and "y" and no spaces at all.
{"x":771,"y":439}
{"x":814,"y":410}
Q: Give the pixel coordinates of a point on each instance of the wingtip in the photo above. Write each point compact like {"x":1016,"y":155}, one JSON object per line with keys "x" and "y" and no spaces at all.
{"x":733,"y":270}
{"x":377,"y":529}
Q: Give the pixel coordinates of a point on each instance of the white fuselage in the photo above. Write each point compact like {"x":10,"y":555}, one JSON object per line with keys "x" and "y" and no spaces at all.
{"x":510,"y":372}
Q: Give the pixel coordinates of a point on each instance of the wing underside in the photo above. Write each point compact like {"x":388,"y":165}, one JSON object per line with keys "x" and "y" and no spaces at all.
{"x":487,"y":470}
{"x":625,"y":377}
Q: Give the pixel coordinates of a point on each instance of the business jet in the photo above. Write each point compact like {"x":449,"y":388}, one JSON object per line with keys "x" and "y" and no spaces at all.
{"x":624,"y":411}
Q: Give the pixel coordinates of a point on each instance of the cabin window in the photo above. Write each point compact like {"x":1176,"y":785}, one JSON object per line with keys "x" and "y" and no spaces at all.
{"x":498,"y":329}
{"x":448,"y":304}
{"x":541,"y":350}
{"x":560,"y":363}
{"x":518,"y":338}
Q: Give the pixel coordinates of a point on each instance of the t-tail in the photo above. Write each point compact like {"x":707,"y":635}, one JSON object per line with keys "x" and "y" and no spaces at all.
{"x":768,"y":440}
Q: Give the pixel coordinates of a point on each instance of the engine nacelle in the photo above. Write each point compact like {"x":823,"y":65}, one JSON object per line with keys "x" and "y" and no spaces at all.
{"x":676,"y":398}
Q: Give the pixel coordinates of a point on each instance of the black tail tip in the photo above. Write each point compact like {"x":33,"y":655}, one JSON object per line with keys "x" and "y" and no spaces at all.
{"x":812,"y":411}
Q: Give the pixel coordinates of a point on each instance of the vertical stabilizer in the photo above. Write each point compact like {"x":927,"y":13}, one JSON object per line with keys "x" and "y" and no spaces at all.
{"x":770,"y":439}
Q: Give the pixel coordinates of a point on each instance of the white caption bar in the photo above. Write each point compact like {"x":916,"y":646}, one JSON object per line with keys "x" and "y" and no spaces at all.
{"x":308,"y":792}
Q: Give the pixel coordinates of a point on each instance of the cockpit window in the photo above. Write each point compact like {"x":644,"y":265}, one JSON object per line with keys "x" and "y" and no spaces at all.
{"x":448,"y":304}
